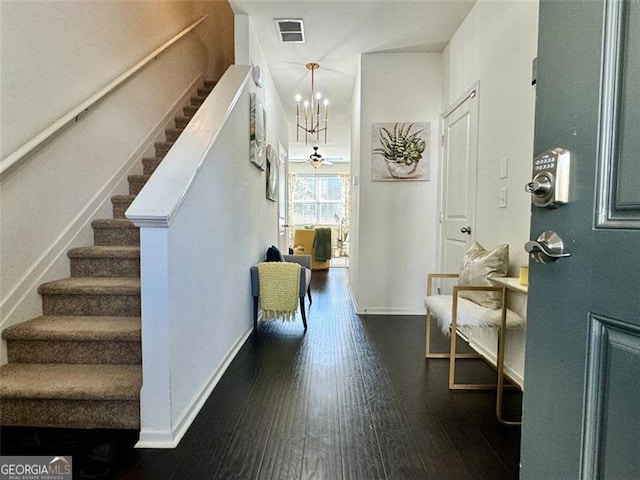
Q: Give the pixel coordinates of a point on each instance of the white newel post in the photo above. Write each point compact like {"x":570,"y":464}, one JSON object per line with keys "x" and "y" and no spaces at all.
{"x":155,"y":396}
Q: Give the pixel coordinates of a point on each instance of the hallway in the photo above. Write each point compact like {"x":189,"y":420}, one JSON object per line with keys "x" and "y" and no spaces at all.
{"x":351,"y":399}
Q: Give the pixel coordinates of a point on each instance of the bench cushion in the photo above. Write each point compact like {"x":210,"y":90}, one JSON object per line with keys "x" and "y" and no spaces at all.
{"x":470,"y":314}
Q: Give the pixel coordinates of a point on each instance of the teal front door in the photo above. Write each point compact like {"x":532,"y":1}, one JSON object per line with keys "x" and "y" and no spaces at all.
{"x":581,"y":412}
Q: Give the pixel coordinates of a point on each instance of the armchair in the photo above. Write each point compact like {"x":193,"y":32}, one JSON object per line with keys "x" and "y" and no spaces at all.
{"x":303,"y":245}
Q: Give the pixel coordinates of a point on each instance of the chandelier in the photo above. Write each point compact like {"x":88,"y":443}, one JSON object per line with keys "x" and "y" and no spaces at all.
{"x":308,"y":116}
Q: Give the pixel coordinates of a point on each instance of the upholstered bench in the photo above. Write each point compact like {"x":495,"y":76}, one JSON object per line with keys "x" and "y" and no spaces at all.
{"x":305,"y":282}
{"x":475,"y":302}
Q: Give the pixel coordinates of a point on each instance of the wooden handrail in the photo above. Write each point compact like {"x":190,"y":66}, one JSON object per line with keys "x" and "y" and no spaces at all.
{"x":73,"y":115}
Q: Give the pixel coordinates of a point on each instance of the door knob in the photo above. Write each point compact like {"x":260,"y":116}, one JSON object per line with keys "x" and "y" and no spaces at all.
{"x":540,"y":186}
{"x":466,"y":230}
{"x":548,"y":248}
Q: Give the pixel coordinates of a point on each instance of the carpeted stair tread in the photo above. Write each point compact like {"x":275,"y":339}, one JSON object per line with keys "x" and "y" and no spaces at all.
{"x":70,"y":381}
{"x":137,"y":182}
{"x":120,"y":204}
{"x":139,"y":178}
{"x":122,"y":198}
{"x":181,"y":121}
{"x":172,"y":134}
{"x":79,"y":328}
{"x":91,"y":286}
{"x":197,"y":101}
{"x":150,"y":164}
{"x":162,"y":148}
{"x":112,"y":223}
{"x":105,"y":251}
{"x":189,"y":111}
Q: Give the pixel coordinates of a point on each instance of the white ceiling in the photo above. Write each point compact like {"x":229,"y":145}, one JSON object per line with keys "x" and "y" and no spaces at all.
{"x":337,"y":33}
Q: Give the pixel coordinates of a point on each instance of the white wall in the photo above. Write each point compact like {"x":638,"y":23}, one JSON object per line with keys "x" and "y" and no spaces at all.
{"x":55,"y":55}
{"x":217,"y":33}
{"x":354,"y":227}
{"x":396,"y":224}
{"x":495,"y":46}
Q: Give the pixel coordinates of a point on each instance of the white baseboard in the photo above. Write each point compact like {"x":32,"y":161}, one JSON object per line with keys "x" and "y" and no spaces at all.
{"x":171,"y":439}
{"x":34,"y":276}
{"x":390,"y":311}
{"x":360,"y":310}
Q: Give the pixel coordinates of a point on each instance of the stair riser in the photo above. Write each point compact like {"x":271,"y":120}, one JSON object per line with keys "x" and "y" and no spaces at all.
{"x":119,"y":209}
{"x":105,"y":267}
{"x":197,"y":101}
{"x":83,"y":352}
{"x":116,"y":236}
{"x":162,"y":148}
{"x":203,"y":92}
{"x":135,"y":186}
{"x":172,"y":134}
{"x":26,"y":412}
{"x":150,"y":165}
{"x":181,"y":122}
{"x":189,"y":111}
{"x":92,"y":305}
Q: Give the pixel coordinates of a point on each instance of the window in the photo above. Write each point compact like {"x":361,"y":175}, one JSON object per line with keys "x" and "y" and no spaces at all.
{"x":317,"y":200}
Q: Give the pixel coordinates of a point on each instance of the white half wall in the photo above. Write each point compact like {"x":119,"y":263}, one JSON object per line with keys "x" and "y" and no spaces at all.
{"x":205,"y":220}
{"x":396,"y":221}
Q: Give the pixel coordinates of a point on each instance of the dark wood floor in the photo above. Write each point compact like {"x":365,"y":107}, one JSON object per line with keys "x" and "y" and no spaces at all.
{"x":353,"y":398}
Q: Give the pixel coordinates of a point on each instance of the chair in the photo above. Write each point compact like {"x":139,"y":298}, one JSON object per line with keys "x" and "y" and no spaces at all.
{"x":305,"y":282}
{"x":303,"y":245}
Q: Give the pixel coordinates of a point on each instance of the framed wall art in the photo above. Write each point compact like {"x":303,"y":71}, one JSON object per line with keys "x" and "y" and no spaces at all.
{"x":257,"y":133}
{"x":272,"y":175}
{"x":400,"y":151}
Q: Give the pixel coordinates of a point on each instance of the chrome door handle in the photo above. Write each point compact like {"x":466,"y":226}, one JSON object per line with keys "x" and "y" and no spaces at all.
{"x":466,"y":230}
{"x":549,"y":247}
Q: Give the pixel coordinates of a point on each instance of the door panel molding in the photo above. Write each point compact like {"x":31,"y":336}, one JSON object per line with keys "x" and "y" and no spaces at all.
{"x":609,"y":340}
{"x":618,"y":195}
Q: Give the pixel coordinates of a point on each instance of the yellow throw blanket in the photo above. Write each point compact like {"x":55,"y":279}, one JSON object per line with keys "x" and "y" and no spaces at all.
{"x":279,"y":288}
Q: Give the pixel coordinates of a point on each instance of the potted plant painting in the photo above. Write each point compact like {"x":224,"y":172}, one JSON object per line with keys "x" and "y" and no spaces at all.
{"x":402,"y":147}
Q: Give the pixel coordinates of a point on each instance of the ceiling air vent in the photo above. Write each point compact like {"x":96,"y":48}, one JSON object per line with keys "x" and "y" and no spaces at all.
{"x":290,"y":30}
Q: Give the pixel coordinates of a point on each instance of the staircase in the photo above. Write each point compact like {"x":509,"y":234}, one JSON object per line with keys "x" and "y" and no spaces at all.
{"x":79,"y":365}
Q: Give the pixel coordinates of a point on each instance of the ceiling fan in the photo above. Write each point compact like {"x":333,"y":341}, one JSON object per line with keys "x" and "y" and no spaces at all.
{"x":315,"y":159}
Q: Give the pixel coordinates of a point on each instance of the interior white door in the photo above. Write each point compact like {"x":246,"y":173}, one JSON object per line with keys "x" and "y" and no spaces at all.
{"x":458,"y":180}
